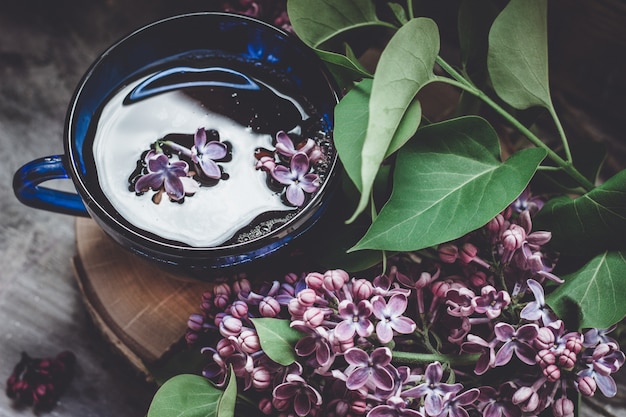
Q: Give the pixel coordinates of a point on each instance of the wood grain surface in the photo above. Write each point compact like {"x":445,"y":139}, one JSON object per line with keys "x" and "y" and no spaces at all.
{"x":45,"y":47}
{"x":141,"y":308}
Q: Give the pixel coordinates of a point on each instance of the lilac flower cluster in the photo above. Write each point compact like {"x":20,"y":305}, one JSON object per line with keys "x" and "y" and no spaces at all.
{"x":292,"y":167}
{"x":460,"y":331}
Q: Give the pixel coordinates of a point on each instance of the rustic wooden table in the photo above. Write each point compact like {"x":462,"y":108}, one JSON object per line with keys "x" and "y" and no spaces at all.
{"x":45,"y":47}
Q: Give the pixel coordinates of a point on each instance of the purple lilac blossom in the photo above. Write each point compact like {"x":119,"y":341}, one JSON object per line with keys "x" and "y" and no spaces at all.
{"x":205,"y":153}
{"x":433,"y":389}
{"x":390,"y":317}
{"x":297,"y":178}
{"x":172,"y":175}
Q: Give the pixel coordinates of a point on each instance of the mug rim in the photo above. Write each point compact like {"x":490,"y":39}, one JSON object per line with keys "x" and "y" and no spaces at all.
{"x":99,"y":212}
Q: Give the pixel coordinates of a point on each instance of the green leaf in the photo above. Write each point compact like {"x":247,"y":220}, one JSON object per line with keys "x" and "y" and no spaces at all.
{"x":590,"y":223}
{"x":226,"y":406}
{"x":448,"y":181}
{"x":518,"y":54}
{"x":598,"y":291}
{"x":186,"y":396}
{"x":405,"y":66}
{"x":399,"y":12}
{"x":316,"y":22}
{"x":277,"y":339}
{"x":345,"y":69}
{"x":351,"y":118}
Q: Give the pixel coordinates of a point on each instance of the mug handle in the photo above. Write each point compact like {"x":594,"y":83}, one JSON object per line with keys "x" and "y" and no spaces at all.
{"x":28,"y":191}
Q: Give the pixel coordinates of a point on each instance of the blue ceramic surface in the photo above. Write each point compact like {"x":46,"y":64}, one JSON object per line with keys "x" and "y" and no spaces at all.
{"x":182,"y":38}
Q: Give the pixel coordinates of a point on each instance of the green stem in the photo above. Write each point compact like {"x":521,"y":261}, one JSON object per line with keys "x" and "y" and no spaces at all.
{"x":459,"y":81}
{"x":410,"y":358}
{"x":559,"y":128}
{"x":409,"y":6}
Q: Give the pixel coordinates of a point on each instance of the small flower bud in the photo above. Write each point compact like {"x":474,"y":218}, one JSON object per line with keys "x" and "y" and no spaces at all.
{"x":207,"y":295}
{"x":440,"y":288}
{"x":221,"y":301}
{"x":291,"y":278}
{"x":539,"y":238}
{"x":230,"y":326}
{"x":242,"y":285}
{"x":269,"y":307}
{"x":567,"y":359}
{"x":575,"y":344}
{"x":261,"y":378}
{"x":239,"y":309}
{"x":496,"y":225}
{"x":314,"y":280}
{"x":191,"y":337}
{"x":478,"y":279}
{"x":222,"y":288}
{"x":545,"y":339}
{"x":295,"y":309}
{"x":313,"y":317}
{"x":467,"y":253}
{"x":307,"y":297}
{"x":225,"y":348}
{"x":265,"y":406}
{"x":563,"y":407}
{"x":586,"y":385}
{"x":362,"y":289}
{"x":249,"y":341}
{"x":334,"y":279}
{"x":513,"y":237}
{"x":448,"y":253}
{"x":219,"y":317}
{"x":552,"y":372}
{"x":545,"y":358}
{"x":195,"y":322}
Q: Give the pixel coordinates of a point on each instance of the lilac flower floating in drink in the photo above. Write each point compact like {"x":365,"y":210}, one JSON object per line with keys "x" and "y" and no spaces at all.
{"x":170,"y":175}
{"x":205,"y":153}
{"x":297,"y":178}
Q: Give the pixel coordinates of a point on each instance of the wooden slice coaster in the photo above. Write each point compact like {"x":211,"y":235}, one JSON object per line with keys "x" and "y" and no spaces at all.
{"x":139,"y":307}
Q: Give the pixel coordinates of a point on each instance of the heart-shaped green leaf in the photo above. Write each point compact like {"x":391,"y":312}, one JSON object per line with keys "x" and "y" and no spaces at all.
{"x":316,"y":22}
{"x":277,"y":339}
{"x":448,"y":181}
{"x":518,"y":54}
{"x":591,"y":223}
{"x":598,"y":291}
{"x":405,"y":66}
{"x":186,"y":396}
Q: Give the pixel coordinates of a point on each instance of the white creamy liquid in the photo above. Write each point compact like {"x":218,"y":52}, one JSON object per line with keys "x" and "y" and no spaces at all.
{"x":212,"y":215}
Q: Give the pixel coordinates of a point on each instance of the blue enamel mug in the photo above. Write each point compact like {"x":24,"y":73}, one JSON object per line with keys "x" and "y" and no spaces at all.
{"x":202,"y":141}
